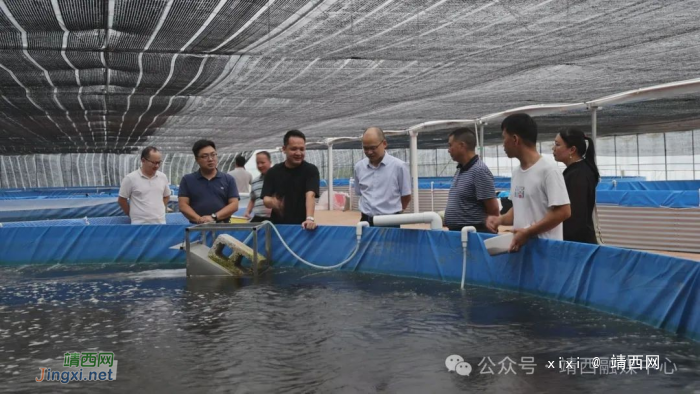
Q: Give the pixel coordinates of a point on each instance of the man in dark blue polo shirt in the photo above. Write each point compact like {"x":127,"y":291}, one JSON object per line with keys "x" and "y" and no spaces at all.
{"x":207,"y":195}
{"x":472,"y":196}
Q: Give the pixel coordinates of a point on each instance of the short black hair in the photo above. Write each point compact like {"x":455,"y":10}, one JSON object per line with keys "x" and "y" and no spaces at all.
{"x":521,"y":125}
{"x":240,"y":161}
{"x":466,"y":135}
{"x":293,"y":133}
{"x":201,"y":144}
{"x":266,"y":153}
{"x":146,"y":152}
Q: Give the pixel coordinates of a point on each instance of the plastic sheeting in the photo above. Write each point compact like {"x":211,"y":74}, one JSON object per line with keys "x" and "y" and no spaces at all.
{"x":58,"y":208}
{"x":658,"y":290}
{"x":650,"y":198}
{"x":658,"y":185}
{"x":92,"y":169}
{"x":170,"y":218}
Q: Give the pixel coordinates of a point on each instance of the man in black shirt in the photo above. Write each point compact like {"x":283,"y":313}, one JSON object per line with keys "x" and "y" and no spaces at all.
{"x":291,"y":187}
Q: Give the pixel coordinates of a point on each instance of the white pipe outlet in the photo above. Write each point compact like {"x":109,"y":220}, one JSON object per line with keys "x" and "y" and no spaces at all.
{"x":410,"y":218}
{"x":358,"y":229}
{"x":465,"y":238}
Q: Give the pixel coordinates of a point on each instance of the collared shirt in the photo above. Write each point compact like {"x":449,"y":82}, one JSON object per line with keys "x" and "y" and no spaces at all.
{"x":291,"y":185}
{"x":145,"y":196}
{"x":472,"y":184}
{"x":259,"y":208}
{"x":208,"y":196}
{"x":380,"y":188}
{"x":243,"y":179}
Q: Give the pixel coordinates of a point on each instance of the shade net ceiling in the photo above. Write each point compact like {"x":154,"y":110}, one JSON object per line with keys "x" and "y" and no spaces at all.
{"x":111,"y":76}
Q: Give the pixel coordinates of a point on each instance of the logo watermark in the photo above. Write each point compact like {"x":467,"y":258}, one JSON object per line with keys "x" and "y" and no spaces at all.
{"x":83,"y":367}
{"x":526,"y":365}
{"x":456,"y":363}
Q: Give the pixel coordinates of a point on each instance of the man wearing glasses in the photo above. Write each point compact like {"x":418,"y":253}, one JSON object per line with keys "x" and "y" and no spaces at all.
{"x":144,"y":193}
{"x":207,"y":195}
{"x":382,"y":181}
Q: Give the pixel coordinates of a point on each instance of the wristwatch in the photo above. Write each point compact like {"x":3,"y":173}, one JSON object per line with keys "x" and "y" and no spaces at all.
{"x":213,"y":215}
{"x":310,"y":218}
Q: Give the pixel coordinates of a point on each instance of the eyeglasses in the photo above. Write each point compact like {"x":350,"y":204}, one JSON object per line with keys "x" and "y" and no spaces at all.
{"x":207,"y":156}
{"x":372,"y":148}
{"x":155,"y":163}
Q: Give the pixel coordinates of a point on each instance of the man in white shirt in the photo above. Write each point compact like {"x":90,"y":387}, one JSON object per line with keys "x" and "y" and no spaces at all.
{"x":144,"y":193}
{"x":382,"y":182}
{"x":537,"y":188}
{"x":243,"y":178}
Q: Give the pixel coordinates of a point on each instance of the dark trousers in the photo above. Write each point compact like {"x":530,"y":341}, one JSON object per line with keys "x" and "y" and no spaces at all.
{"x":481,"y":228}
{"x":258,"y":219}
{"x":370,"y":220}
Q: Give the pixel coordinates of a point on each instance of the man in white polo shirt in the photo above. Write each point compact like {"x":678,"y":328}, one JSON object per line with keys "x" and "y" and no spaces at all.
{"x":382,"y":181}
{"x":144,"y":193}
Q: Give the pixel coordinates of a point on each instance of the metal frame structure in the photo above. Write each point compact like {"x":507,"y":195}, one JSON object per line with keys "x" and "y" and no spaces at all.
{"x":672,"y":89}
{"x":203,"y":229}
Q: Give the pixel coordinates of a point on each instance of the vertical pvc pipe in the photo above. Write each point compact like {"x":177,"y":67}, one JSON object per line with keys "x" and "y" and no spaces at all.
{"x":594,"y":129}
{"x":414,"y":168}
{"x":665,"y":160}
{"x":481,"y":138}
{"x":432,"y":197}
{"x":692,"y":147}
{"x":330,"y":176}
{"x":476,"y":132}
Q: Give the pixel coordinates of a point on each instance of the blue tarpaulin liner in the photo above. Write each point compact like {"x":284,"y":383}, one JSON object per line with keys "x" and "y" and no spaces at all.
{"x":654,"y":185}
{"x":58,"y":208}
{"x":650,"y":198}
{"x":170,"y":218}
{"x":65,"y":192}
{"x":658,"y":290}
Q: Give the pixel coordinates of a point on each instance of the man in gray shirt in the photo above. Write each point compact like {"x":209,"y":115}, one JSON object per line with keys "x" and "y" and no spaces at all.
{"x":256,"y":210}
{"x":243,"y":178}
{"x":382,"y":182}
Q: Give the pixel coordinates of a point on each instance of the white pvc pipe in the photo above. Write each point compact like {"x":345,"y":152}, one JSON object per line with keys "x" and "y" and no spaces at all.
{"x":594,"y":129}
{"x":465,"y":238}
{"x":481,"y":138}
{"x":358,"y":229}
{"x":414,"y":168}
{"x":410,"y":218}
{"x":330,"y":176}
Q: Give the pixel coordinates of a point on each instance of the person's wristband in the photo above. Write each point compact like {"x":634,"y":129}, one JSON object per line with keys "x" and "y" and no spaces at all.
{"x":311,"y":218}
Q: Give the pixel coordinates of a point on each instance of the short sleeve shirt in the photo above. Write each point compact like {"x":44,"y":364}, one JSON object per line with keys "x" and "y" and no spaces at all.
{"x":208,"y":196}
{"x":291,"y":185}
{"x":472,"y":184}
{"x":534,"y":191}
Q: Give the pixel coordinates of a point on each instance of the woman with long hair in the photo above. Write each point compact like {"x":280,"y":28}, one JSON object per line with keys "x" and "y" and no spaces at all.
{"x":581,"y":176}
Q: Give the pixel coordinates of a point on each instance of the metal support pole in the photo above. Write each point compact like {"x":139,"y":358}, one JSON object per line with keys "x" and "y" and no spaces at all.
{"x":615,"y":152}
{"x":639,"y":167}
{"x":665,"y":161}
{"x":498,"y":164}
{"x":330,"y":176}
{"x":692,"y":147}
{"x":414,"y":168}
{"x":476,"y":132}
{"x":481,"y":138}
{"x":255,"y":253}
{"x":268,"y":243}
{"x":432,"y":197}
{"x":594,"y":128}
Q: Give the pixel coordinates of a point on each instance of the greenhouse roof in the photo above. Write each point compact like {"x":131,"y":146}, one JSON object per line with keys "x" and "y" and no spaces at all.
{"x":116,"y":75}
